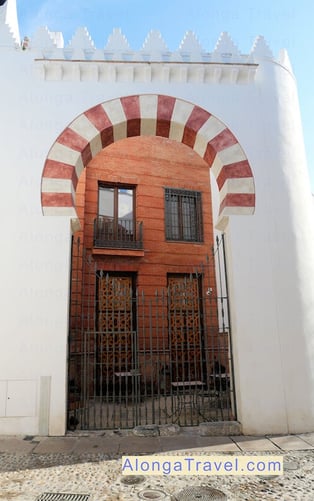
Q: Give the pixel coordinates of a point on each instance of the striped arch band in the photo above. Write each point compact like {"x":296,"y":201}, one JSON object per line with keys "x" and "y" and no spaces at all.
{"x":147,"y":115}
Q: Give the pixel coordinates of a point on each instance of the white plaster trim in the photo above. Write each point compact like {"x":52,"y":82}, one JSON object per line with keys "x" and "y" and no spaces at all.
{"x":117,"y":117}
{"x":114,"y":111}
{"x":217,"y":165}
{"x":96,"y":145}
{"x":79,"y":167}
{"x":148,"y":127}
{"x":180,"y":116}
{"x":53,"y":185}
{"x":211,"y":128}
{"x":75,"y":225}
{"x":182,"y":111}
{"x":59,"y":211}
{"x":83,"y":127}
{"x":148,"y":107}
{"x":227,"y":156}
{"x":64,"y":154}
{"x":232,"y":154}
{"x":176,"y":131}
{"x":237,"y":185}
{"x":88,"y":131}
{"x":222,"y":222}
{"x":119,"y":131}
{"x":237,"y":211}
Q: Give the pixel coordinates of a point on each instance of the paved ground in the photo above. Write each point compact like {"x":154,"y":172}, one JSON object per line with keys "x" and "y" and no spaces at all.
{"x":90,"y":465}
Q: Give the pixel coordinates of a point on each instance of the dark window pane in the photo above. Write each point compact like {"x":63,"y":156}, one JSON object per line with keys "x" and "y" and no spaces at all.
{"x":183,"y":215}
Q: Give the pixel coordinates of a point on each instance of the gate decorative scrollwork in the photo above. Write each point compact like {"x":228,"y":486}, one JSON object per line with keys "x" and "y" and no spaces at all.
{"x":114,"y":319}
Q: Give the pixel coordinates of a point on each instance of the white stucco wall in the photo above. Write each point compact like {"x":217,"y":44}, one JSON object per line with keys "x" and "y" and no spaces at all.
{"x":270,"y":254}
{"x":273,"y":269}
{"x":34,"y":270}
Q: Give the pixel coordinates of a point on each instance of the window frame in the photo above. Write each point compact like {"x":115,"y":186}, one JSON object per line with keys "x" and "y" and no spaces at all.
{"x":194,"y":228}
{"x":116,"y":187}
{"x":112,"y":231}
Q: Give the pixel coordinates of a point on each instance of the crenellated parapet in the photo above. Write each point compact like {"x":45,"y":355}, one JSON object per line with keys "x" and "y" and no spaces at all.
{"x":117,"y":61}
{"x":80,"y":59}
{"x":48,"y":45}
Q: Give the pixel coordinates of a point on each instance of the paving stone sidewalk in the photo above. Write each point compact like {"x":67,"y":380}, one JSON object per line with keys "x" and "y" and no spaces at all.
{"x":90,"y":464}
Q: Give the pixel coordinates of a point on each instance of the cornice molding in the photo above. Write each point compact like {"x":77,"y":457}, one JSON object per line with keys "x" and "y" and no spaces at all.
{"x":140,"y":71}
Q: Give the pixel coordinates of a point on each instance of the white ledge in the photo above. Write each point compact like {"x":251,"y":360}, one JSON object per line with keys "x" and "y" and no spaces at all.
{"x":141,"y":71}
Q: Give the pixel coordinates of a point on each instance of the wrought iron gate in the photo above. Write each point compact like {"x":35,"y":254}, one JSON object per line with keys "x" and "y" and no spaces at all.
{"x":137,"y":359}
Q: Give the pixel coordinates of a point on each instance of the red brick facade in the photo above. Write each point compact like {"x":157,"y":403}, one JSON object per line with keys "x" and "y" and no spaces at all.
{"x":150,"y":164}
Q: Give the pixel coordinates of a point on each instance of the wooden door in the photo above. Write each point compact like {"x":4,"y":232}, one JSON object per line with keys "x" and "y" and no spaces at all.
{"x":185,"y":327}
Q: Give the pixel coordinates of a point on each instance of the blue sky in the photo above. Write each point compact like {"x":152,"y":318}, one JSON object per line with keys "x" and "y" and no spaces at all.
{"x":284,"y":24}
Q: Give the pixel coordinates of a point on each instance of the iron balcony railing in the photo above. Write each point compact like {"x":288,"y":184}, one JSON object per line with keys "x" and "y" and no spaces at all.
{"x":118,"y":233}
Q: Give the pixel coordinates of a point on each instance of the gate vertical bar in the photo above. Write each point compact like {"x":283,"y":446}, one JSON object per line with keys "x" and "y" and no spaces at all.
{"x":232,"y":380}
{"x":85,"y":421}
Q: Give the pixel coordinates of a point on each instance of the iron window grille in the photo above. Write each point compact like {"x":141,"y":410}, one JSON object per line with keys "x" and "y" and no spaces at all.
{"x":183,"y":215}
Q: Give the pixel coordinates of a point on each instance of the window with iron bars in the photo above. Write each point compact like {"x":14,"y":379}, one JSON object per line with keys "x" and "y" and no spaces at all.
{"x":183,"y":215}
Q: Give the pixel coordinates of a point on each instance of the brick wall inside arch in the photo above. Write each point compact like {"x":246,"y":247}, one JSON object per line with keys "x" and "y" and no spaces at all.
{"x":150,"y":164}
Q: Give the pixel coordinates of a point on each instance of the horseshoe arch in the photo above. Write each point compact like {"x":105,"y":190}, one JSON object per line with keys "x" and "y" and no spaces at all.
{"x":140,"y":115}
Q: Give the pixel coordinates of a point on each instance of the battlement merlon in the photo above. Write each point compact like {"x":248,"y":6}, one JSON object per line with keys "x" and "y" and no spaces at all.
{"x":9,"y":26}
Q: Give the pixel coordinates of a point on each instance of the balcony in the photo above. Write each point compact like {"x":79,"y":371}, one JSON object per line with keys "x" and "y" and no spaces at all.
{"x":111,"y":233}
